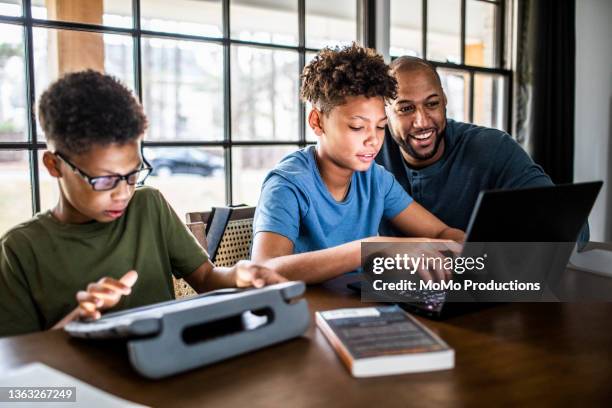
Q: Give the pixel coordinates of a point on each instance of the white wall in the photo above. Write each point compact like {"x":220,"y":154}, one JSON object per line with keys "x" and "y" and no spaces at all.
{"x":593,"y":127}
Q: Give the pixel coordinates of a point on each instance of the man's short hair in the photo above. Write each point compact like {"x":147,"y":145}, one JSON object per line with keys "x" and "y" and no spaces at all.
{"x":88,"y":108}
{"x":336,"y":73}
{"x":410,"y":63}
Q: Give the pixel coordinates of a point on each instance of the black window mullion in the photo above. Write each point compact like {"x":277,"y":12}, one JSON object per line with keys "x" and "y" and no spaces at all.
{"x":137,"y":50}
{"x":500,"y":46}
{"x":22,"y":145}
{"x":463,"y":29}
{"x":31,"y":104}
{"x":424,"y":28}
{"x":301,"y":63}
{"x":75,"y":25}
{"x":227,"y":103}
{"x":471,"y":97}
{"x":12,"y":20}
{"x":509,"y":99}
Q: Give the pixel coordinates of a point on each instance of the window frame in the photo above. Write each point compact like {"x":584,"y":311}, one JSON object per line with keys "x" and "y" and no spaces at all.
{"x":365,"y":24}
{"x":35,"y":146}
{"x":502,"y":63}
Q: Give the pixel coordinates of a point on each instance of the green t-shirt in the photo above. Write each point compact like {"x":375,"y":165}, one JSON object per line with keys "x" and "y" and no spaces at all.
{"x":44,"y":263}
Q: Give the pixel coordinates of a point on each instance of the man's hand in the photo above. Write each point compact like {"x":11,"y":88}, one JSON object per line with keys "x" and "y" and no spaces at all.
{"x":247,"y":273}
{"x":104,"y":294}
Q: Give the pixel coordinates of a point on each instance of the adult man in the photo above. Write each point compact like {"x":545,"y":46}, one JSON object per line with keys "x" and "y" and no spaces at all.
{"x":444,"y":164}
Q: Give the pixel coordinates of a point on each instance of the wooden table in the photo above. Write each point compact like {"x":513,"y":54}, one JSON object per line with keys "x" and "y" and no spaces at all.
{"x":513,"y":354}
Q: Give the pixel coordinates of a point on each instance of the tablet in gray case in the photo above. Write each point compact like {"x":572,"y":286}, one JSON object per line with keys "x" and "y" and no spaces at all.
{"x":171,"y":337}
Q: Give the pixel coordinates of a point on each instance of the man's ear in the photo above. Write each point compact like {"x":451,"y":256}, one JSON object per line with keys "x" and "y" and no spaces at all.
{"x":315,"y":121}
{"x":52,"y":163}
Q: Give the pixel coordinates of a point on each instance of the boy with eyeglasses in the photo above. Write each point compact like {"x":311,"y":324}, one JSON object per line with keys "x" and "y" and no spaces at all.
{"x":102,"y":226}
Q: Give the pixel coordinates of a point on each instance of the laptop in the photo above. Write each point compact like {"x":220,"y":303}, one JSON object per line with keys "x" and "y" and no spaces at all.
{"x":549,"y":214}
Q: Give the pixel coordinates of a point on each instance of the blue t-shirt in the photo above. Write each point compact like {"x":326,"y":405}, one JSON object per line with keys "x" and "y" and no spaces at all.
{"x":296,"y":204}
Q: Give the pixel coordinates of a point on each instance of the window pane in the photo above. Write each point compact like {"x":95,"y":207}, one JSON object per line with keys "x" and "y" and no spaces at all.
{"x":267,"y":21}
{"x":489,"y":100}
{"x":182,"y":89}
{"x":191,"y":179}
{"x":59,"y":51}
{"x":194,"y":17}
{"x":406,"y":27}
{"x":13,"y":112}
{"x":10,"y":8}
{"x":456,"y":85}
{"x":264,"y":94}
{"x":444,"y":30}
{"x":480,"y":33}
{"x":250,"y":165}
{"x":115,"y":13}
{"x":15,"y":188}
{"x":330,"y":23}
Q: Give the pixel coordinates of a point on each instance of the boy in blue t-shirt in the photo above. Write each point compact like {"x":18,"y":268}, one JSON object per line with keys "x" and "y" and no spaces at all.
{"x":320,"y":203}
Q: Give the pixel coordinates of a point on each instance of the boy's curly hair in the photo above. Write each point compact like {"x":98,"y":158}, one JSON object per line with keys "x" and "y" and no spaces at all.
{"x":336,"y":73}
{"x":88,"y":108}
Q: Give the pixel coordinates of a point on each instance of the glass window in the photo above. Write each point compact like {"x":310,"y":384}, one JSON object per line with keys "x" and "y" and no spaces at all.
{"x":330,"y":23}
{"x":60,"y":51}
{"x":265,"y":85}
{"x":182,"y":89}
{"x":406,"y":28}
{"x":13,"y":110}
{"x":266,"y":21}
{"x":456,"y":85}
{"x":15,"y":188}
{"x":480,"y":33}
{"x":489,"y":96}
{"x":191,"y":179}
{"x":444,"y":30}
{"x":193,"y":17}
{"x":10,"y":8}
{"x":182,"y":83}
{"x":250,"y":165}
{"x":114,"y":13}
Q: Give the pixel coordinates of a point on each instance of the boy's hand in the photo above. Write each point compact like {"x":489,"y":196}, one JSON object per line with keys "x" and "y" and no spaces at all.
{"x":104,"y":294}
{"x":246,"y":273}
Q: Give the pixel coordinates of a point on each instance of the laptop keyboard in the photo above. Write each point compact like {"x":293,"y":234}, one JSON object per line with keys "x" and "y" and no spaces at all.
{"x":431,"y":299}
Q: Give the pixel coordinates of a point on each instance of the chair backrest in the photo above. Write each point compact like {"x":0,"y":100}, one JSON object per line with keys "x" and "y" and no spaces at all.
{"x":235,"y":243}
{"x":181,"y":288}
{"x":238,"y":236}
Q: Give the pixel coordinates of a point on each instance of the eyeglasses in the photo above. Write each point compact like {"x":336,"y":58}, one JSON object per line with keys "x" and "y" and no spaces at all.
{"x":105,"y":183}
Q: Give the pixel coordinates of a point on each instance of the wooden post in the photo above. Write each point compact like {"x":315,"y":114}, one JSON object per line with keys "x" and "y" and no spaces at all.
{"x":71,"y":50}
{"x":474,"y":55}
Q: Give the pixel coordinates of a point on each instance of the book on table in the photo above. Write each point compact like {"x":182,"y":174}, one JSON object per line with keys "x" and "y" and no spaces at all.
{"x":384,"y":340}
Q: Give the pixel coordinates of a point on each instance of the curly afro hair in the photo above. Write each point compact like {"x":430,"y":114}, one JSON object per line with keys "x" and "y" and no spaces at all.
{"x":88,"y":108}
{"x":336,"y":73}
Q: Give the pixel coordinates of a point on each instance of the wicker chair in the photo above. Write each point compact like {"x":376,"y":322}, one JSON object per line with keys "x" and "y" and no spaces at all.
{"x":235,"y":243}
{"x":181,"y":288}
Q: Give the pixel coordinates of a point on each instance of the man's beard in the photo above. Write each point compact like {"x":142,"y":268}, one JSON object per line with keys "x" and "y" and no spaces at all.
{"x":407,"y":147}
